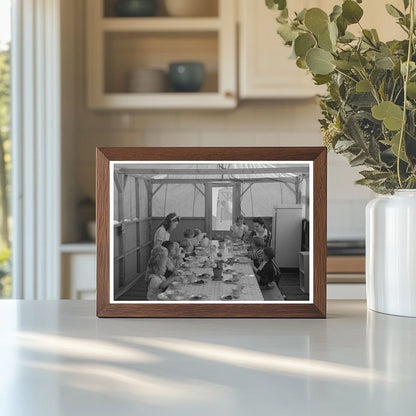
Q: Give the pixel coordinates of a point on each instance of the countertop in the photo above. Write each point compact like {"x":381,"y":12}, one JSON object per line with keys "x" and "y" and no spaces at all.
{"x":57,"y":358}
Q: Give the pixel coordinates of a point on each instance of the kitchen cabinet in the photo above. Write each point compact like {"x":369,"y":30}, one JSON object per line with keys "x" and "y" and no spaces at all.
{"x":78,"y":262}
{"x":118,"y":45}
{"x":265,"y":70}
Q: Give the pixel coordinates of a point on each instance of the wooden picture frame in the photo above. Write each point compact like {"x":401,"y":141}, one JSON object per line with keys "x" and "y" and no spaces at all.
{"x":313,"y":157}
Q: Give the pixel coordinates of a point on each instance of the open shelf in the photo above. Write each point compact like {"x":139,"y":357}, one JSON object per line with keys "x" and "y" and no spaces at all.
{"x":126,"y":51}
{"x":118,"y":45}
{"x":160,"y":24}
{"x":210,"y":9}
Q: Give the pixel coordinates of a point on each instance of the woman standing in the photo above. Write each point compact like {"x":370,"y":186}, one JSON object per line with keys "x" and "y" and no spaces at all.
{"x":163,"y":232}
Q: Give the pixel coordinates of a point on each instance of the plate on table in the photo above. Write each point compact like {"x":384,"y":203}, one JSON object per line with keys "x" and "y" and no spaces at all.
{"x":198,"y":282}
{"x":204,"y":276}
{"x":243,"y":260}
{"x":199,"y":296}
{"x":228,"y":297}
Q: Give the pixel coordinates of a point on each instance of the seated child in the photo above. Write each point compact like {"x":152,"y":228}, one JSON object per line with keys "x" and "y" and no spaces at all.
{"x":187,"y":242}
{"x":268,"y":270}
{"x":155,"y":274}
{"x":255,"y":252}
{"x":198,"y":237}
{"x":171,"y":263}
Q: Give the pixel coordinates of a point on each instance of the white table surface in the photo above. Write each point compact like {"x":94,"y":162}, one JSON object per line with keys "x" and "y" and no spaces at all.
{"x":57,"y":358}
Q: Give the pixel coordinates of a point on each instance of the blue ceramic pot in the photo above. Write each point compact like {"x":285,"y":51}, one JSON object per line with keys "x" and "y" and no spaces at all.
{"x":186,"y":76}
{"x":135,"y":8}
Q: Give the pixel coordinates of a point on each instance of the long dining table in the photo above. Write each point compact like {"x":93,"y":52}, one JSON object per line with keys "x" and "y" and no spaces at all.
{"x":238,"y":282}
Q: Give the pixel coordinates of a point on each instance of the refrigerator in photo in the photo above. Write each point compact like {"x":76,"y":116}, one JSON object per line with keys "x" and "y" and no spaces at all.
{"x":287,"y":234}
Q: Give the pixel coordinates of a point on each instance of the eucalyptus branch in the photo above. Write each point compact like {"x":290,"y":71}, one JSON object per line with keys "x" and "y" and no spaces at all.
{"x":373,"y":88}
{"x":346,"y":75}
{"x":406,"y":79}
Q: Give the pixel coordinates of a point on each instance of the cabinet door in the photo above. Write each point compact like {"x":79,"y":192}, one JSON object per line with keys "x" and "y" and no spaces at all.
{"x":266,"y":71}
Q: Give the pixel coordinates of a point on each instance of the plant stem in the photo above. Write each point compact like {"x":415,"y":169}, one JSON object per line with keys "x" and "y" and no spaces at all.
{"x":405,"y":81}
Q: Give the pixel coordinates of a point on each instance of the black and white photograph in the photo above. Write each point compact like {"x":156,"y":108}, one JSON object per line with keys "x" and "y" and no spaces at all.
{"x":211,"y":232}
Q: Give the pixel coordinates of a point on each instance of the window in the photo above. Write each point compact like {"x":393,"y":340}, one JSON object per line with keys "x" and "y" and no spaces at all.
{"x":5,"y":159}
{"x":222,"y":208}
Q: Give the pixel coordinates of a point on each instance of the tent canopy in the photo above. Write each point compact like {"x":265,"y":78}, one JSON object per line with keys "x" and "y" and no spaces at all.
{"x":183,"y":187}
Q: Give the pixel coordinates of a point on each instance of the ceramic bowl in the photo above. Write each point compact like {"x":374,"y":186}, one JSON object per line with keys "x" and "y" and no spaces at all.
{"x":135,"y":8}
{"x":186,"y":76}
{"x":147,"y":80}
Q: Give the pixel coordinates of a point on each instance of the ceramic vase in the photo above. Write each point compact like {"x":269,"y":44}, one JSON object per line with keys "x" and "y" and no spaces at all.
{"x":391,"y":253}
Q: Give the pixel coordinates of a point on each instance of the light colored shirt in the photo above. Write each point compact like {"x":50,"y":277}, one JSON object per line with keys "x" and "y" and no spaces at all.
{"x":238,"y":230}
{"x":161,"y":235}
{"x":153,"y":289}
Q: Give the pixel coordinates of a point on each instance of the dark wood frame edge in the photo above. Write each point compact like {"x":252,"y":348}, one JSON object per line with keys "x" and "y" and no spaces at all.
{"x":104,"y":308}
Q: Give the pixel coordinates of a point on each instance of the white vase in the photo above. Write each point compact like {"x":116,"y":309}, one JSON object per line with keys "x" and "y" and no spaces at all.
{"x":391,"y":253}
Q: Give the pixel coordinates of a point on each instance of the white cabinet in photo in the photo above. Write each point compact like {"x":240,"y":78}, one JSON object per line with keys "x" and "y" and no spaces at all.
{"x":287,"y":234}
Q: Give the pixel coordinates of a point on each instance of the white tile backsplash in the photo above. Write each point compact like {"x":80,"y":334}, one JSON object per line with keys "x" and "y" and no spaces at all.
{"x":257,"y":123}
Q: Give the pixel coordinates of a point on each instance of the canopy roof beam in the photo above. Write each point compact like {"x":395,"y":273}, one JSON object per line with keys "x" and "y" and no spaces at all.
{"x":229,"y":172}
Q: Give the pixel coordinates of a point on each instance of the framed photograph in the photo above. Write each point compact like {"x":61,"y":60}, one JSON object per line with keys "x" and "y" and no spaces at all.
{"x":211,"y":232}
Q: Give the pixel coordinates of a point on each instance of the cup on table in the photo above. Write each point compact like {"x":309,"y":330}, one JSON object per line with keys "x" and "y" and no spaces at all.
{"x":236,"y":290}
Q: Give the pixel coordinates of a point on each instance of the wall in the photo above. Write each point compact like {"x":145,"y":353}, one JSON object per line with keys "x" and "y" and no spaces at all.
{"x":253,"y":123}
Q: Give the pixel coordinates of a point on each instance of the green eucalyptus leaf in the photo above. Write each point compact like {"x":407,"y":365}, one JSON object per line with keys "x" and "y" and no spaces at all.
{"x":363,"y":86}
{"x":316,"y":20}
{"x":375,"y":35}
{"x":333,"y":32}
{"x":343,"y":145}
{"x":325,"y":42}
{"x":384,"y":62}
{"x":358,"y":61}
{"x":347,"y":37}
{"x":285,"y":13}
{"x":336,"y":12}
{"x":319,"y":61}
{"x":388,"y":112}
{"x":368,"y":36}
{"x":406,"y":4}
{"x":351,"y":11}
{"x":344,"y":65}
{"x":411,"y":90}
{"x":394,"y":143}
{"x":276,"y":4}
{"x":374,"y":174}
{"x":301,"y":15}
{"x":321,"y":79}
{"x":303,"y":43}
{"x":393,"y":11}
{"x":358,"y":160}
{"x":342,"y":25}
{"x":287,"y":33}
{"x":301,"y":63}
